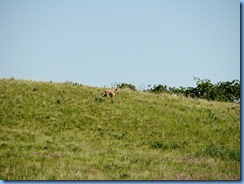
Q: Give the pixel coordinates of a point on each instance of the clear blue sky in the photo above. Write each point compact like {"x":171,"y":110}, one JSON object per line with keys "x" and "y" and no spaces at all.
{"x":102,"y":42}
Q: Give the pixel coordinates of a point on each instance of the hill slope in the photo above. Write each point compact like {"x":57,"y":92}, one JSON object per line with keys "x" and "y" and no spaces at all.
{"x":67,"y":132}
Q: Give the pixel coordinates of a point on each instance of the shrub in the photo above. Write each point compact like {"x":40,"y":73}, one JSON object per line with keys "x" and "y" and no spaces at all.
{"x":158,"y":89}
{"x":222,"y":91}
{"x":126,"y":86}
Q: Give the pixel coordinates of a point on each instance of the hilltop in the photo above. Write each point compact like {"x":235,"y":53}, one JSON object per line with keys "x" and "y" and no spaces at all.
{"x":64,"y":131}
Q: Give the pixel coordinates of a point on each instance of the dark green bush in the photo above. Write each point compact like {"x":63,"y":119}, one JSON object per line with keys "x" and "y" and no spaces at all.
{"x":222,"y":91}
{"x":128,"y":86}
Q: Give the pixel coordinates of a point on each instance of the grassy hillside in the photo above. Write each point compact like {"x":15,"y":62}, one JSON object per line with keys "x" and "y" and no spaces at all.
{"x":60,"y":131}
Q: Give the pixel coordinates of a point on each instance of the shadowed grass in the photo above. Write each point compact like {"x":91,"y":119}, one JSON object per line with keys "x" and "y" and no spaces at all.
{"x":60,"y":131}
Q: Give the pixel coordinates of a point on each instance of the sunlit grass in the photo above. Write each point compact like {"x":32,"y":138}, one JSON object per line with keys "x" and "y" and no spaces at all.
{"x":60,"y":131}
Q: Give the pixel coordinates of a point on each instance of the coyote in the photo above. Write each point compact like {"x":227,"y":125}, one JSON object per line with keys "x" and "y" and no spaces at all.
{"x":111,"y":93}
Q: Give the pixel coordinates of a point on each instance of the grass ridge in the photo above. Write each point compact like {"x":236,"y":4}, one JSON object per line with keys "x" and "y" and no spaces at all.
{"x":66,"y":131}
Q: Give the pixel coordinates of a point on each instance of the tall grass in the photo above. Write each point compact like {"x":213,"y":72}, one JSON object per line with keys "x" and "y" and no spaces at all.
{"x":61,"y":131}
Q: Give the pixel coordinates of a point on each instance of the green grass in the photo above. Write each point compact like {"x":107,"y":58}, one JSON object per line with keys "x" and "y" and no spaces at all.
{"x":60,"y":131}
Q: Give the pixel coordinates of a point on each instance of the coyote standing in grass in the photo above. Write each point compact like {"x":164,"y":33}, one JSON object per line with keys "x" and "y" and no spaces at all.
{"x":111,"y":93}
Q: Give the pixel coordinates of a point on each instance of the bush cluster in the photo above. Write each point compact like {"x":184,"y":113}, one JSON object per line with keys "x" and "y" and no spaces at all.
{"x":222,"y":91}
{"x":126,"y":86}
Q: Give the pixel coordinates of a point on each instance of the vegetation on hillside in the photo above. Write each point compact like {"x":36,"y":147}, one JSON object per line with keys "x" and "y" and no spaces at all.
{"x":222,"y":91}
{"x":62,"y":131}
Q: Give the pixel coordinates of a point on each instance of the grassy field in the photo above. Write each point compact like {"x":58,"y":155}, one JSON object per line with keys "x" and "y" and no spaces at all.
{"x":61,"y":131}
